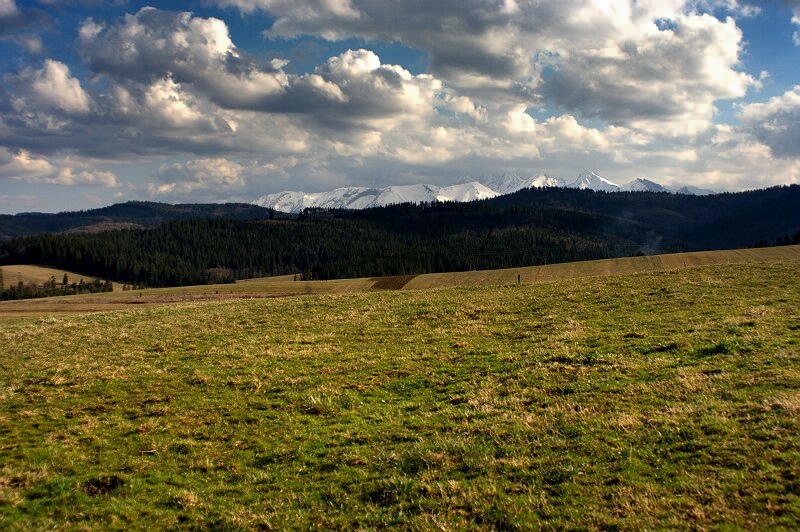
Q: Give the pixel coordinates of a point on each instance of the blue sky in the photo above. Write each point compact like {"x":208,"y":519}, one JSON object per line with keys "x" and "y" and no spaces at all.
{"x":227,"y":100}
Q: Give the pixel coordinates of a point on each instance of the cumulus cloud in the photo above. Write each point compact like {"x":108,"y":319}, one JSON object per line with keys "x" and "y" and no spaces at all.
{"x":776,"y":122}
{"x":153,"y":44}
{"x":673,"y":74}
{"x":50,"y":88}
{"x":648,"y":74}
{"x":200,"y":174}
{"x":24,"y":167}
{"x":197,"y":54}
{"x":625,"y":62}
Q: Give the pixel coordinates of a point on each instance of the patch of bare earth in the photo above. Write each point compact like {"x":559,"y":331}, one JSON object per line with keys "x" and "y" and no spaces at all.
{"x":394,"y":282}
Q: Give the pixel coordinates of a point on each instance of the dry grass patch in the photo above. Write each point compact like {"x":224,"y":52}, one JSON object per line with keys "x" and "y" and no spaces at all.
{"x":661,"y":400}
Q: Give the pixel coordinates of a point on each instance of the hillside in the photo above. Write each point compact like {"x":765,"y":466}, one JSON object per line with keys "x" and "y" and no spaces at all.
{"x":26,"y":273}
{"x":289,"y":285}
{"x":726,"y":220}
{"x":131,"y":215}
{"x":529,"y":227}
{"x":649,"y":401}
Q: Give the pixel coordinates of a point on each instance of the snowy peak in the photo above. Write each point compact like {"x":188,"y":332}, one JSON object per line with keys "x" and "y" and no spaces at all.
{"x":588,"y":180}
{"x":510,"y":183}
{"x":693,"y":191}
{"x":545,"y":181}
{"x":401,"y":194}
{"x":466,"y":192}
{"x":489,"y":187}
{"x":365,"y":198}
{"x":288,"y":201}
{"x":643,"y":185}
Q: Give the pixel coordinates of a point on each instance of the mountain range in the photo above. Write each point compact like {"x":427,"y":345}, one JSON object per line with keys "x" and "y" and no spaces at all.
{"x":486,"y":188}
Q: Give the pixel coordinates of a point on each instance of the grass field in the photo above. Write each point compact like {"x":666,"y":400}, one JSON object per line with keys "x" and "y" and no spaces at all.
{"x":38,"y":275}
{"x":667,"y":399}
{"x":286,"y":285}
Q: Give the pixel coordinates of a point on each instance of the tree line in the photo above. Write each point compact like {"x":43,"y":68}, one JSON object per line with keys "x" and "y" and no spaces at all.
{"x":315,"y":246}
{"x":51,"y":287}
{"x":526,"y":228}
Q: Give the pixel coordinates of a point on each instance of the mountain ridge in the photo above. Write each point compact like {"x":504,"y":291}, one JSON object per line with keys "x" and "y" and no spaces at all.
{"x":356,"y":198}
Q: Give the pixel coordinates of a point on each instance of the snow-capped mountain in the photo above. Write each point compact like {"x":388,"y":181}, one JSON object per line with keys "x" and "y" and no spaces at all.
{"x":591,"y":181}
{"x":692,"y":191}
{"x":643,"y":185}
{"x":510,"y":183}
{"x":364,"y":198}
{"x":488,"y":187}
{"x":466,"y":192}
{"x":545,"y":181}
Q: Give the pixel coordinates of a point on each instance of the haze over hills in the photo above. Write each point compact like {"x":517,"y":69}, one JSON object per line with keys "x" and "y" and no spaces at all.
{"x":123,"y":215}
{"x":485,"y":188}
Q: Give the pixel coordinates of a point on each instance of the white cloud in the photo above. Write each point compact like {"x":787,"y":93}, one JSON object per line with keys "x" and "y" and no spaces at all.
{"x":165,"y":100}
{"x":25,"y":167}
{"x":307,"y":9}
{"x":198,"y":56}
{"x":71,"y":177}
{"x":8,"y":8}
{"x":632,"y":88}
{"x":22,"y":165}
{"x":672,"y":75}
{"x":51,"y":87}
{"x":735,"y":7}
{"x":610,"y":60}
{"x":153,"y":45}
{"x":217,"y":175}
{"x":776,"y":123}
{"x":795,"y":4}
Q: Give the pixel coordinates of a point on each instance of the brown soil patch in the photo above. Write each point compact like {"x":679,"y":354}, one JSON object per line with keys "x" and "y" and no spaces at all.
{"x":395,"y":282}
{"x":54,"y":306}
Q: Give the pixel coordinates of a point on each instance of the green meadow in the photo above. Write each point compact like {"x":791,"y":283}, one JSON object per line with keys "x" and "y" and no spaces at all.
{"x":667,"y":399}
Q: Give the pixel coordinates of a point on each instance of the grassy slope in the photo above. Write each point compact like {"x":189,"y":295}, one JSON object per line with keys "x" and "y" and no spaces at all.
{"x":26,"y":273}
{"x":287,"y":285}
{"x":667,"y":399}
{"x":605,"y":268}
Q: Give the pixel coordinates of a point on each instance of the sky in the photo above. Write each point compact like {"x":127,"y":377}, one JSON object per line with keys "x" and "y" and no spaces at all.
{"x":227,"y":100}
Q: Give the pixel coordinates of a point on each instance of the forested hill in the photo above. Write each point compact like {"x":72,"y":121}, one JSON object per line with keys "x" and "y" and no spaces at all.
{"x":727,"y":220}
{"x":131,"y":214}
{"x":526,"y":228}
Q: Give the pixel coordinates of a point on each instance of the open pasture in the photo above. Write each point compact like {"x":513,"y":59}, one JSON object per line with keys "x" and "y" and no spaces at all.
{"x":287,"y":285}
{"x":667,"y":399}
{"x":38,"y":275}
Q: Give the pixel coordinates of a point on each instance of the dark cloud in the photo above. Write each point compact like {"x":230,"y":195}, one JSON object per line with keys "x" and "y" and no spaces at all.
{"x":18,"y":19}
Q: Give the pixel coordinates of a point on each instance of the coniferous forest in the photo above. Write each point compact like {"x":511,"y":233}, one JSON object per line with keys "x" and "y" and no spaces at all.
{"x":526,"y":228}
